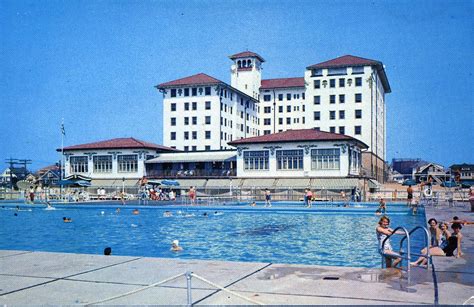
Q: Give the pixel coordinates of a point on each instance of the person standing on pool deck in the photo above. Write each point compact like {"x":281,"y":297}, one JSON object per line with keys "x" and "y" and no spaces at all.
{"x":309,"y":197}
{"x":192,"y":195}
{"x":409,"y":195}
{"x":268,"y":198}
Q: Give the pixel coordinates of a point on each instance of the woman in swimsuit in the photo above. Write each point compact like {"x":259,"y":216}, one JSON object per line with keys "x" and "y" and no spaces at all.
{"x":383,"y":231}
{"x":438,"y":249}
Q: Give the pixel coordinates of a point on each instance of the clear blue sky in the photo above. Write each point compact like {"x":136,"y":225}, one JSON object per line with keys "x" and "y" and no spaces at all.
{"x":94,"y":63}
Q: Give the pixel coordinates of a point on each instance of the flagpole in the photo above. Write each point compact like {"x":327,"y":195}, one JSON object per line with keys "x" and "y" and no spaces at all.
{"x":62,"y":158}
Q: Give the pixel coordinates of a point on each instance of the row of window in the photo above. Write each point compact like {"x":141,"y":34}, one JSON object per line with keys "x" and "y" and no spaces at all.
{"x":342,"y":114}
{"x":337,"y":71}
{"x":288,"y":96}
{"x":187,"y":105}
{"x":190,"y":91}
{"x":342,"y":98}
{"x":321,"y":159}
{"x":332,"y":82}
{"x":103,"y":164}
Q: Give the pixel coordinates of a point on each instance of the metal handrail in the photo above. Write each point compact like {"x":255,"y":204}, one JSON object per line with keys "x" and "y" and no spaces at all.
{"x":427,"y":243}
{"x":407,"y":235}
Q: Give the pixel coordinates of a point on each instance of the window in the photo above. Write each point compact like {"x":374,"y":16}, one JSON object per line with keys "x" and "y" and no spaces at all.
{"x":288,"y":96}
{"x":342,"y":114}
{"x":79,"y":164}
{"x":265,"y":132}
{"x":332,"y":98}
{"x":173,"y":107}
{"x":358,"y":97}
{"x":208,"y":120}
{"x":208,"y":105}
{"x":194,"y":91}
{"x":332,"y":129}
{"x":173,"y":136}
{"x":173,"y":121}
{"x":342,"y":82}
{"x":280,"y":109}
{"x":186,"y":92}
{"x":357,"y":70}
{"x":317,"y":99}
{"x":342,"y":98}
{"x":267,"y":121}
{"x":208,"y":135}
{"x":186,"y":106}
{"x":207,"y":90}
{"x":194,"y":148}
{"x":358,"y":130}
{"x":358,"y":81}
{"x":337,"y":71}
{"x":256,"y":160}
{"x":342,"y":130}
{"x":280,"y":121}
{"x":358,"y":113}
{"x":317,"y":83}
{"x":267,"y":97}
{"x":194,"y":135}
{"x":280,"y":97}
{"x":267,"y":110}
{"x":173,"y":92}
{"x":325,"y":159}
{"x":186,"y":148}
{"x":194,"y":106}
{"x":332,"y":82}
{"x":289,"y":159}
{"x":317,"y":115}
{"x":288,"y":109}
{"x":194,"y":120}
{"x":127,"y":163}
{"x":186,"y":121}
{"x":296,"y":108}
{"x":332,"y":114}
{"x":102,"y":164}
{"x":316,"y":72}
{"x":317,"y":128}
{"x":207,"y":147}
{"x":303,"y":96}
{"x":186,"y":135}
{"x":288,"y":120}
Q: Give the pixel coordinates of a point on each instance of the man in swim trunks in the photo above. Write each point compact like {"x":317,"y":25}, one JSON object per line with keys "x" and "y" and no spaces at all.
{"x":409,"y":195}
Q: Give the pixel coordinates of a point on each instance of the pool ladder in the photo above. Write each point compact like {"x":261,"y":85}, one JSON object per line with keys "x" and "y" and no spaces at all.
{"x":407,"y":255}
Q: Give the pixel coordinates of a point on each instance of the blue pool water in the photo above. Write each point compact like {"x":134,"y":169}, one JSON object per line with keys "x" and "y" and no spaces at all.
{"x":287,"y":233}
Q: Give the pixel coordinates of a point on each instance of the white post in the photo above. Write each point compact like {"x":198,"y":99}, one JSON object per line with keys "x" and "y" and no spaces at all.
{"x":61,"y":169}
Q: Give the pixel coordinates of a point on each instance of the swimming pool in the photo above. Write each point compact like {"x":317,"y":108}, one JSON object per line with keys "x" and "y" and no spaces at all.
{"x":286,"y":233}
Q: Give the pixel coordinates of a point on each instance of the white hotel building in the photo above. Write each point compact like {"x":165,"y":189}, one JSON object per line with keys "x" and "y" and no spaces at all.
{"x":345,"y":95}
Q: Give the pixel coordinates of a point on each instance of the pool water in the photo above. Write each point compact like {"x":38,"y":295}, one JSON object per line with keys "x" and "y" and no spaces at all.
{"x":340,"y":237}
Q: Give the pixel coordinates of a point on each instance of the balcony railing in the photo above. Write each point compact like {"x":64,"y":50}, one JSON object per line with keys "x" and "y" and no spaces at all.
{"x":216,"y":173}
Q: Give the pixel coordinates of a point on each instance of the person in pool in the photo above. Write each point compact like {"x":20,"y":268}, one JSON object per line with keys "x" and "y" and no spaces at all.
{"x":67,"y":220}
{"x":135,"y":212}
{"x":392,"y":259}
{"x":268,"y":198}
{"x":382,"y":207}
{"x":175,"y":246}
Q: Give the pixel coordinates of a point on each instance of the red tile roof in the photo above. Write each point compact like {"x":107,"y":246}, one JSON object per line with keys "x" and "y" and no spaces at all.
{"x":198,"y":79}
{"x":346,"y":60}
{"x":119,"y":143}
{"x":282,"y":83}
{"x":246,"y":54}
{"x":298,"y":135}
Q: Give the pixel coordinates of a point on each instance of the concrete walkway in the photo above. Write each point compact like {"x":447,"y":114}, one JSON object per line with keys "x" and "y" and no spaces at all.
{"x":65,"y":279}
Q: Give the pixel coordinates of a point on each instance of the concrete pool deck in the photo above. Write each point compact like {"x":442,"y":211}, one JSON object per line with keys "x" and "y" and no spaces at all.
{"x":77,"y":279}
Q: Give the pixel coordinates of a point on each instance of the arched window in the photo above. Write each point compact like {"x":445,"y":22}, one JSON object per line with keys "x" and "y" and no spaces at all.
{"x":249,"y":63}
{"x":244,"y":63}
{"x":239,"y":64}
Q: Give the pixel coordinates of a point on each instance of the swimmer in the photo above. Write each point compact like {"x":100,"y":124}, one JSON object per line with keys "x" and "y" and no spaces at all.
{"x":135,"y":212}
{"x":253,"y":204}
{"x":205,"y":214}
{"x":49,"y":207}
{"x":133,"y":225}
{"x":218,"y":213}
{"x":67,"y":219}
{"x":117,"y":211}
{"x":175,"y":246}
{"x":102,"y":212}
{"x":107,"y":251}
{"x":167,"y":214}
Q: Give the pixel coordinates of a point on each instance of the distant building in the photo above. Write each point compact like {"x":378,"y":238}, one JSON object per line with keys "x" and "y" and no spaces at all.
{"x":436,"y":172}
{"x":111,"y":162}
{"x":49,"y":175}
{"x":345,"y":95}
{"x":463,"y":173}
{"x":405,"y":167}
{"x":299,"y":153}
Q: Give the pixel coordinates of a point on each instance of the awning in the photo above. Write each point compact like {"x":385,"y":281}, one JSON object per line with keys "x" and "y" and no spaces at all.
{"x":187,"y":183}
{"x":293,"y":182}
{"x":222,"y":183}
{"x":258,"y":183}
{"x":334,"y":183}
{"x":373,"y":184}
{"x":176,"y":157}
{"x":114,"y":182}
